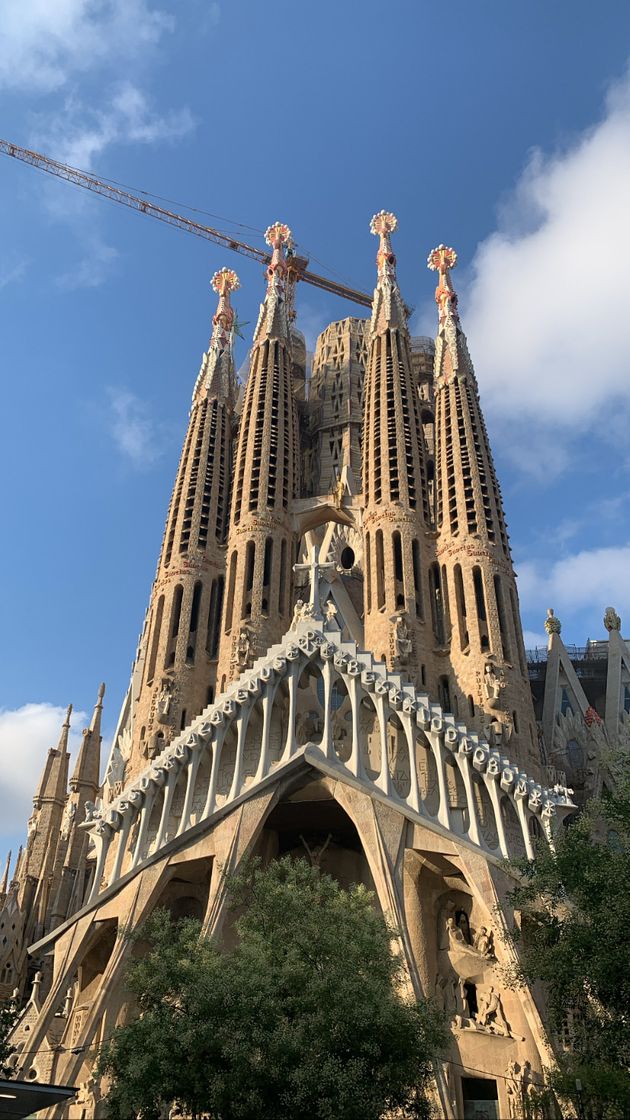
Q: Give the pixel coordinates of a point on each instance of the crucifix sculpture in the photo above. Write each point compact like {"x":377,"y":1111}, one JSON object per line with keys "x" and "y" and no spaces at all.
{"x":315,"y":569}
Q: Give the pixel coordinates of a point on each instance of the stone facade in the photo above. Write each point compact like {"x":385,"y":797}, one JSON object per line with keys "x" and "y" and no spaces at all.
{"x":332,"y":661}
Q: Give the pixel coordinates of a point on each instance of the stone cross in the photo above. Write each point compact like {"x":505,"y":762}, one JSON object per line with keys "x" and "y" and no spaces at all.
{"x":315,"y":569}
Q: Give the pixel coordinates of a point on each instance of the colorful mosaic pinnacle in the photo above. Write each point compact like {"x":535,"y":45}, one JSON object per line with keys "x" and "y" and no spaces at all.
{"x":277,"y":234}
{"x":442,"y":259}
{"x":383,"y":223}
{"x":225,"y":280}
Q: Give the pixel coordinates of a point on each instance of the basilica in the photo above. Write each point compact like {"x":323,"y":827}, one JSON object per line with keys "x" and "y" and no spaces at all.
{"x":331,"y":662}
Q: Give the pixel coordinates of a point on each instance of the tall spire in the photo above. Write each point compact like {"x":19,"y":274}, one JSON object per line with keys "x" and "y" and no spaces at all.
{"x":87,"y":769}
{"x":388,"y":309}
{"x":453,"y":356}
{"x":216,"y":376}
{"x":273,"y":320}
{"x":265,"y":483}
{"x":53,"y":782}
{"x":4,"y":885}
{"x":183,"y":625}
{"x":486,"y":645}
{"x":394,"y":474}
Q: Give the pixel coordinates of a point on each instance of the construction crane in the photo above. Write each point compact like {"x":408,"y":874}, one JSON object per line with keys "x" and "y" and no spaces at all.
{"x":298,"y":264}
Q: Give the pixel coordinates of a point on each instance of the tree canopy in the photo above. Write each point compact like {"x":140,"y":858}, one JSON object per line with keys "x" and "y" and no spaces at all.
{"x":575,"y":938}
{"x":304,"y":1017}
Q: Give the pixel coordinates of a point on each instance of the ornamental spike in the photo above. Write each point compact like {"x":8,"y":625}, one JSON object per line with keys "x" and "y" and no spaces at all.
{"x":441,"y":260}
{"x":382,"y":225}
{"x":224,"y":281}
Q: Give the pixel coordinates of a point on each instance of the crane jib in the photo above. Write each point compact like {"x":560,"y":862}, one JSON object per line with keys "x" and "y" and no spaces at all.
{"x":179,"y":221}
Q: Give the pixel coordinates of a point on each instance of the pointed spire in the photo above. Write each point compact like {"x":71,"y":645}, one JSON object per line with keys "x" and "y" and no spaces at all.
{"x":54,"y":777}
{"x":442,"y":260}
{"x":273,"y":321}
{"x":216,"y":375}
{"x":388,"y":309}
{"x":451,"y":338}
{"x":87,"y":768}
{"x":4,"y":885}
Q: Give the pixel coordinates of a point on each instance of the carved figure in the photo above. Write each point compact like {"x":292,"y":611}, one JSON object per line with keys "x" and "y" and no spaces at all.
{"x":164,"y":700}
{"x":92,"y":811}
{"x":454,"y":932}
{"x":69,"y":814}
{"x":490,"y":1013}
{"x":483,"y":943}
{"x":115,"y":773}
{"x":242,"y":649}
{"x":552,"y":624}
{"x":338,"y":491}
{"x":493,"y":682}
{"x":403,"y":645}
{"x":513,"y":1077}
{"x":330,"y":611}
{"x":612,"y":620}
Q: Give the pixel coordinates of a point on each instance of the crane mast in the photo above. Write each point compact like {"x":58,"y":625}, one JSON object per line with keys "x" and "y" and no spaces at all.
{"x":179,"y":221}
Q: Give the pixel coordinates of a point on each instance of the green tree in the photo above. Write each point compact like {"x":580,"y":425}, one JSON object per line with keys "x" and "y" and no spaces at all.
{"x":303,"y":1018}
{"x":575,"y":938}
{"x":8,"y":1017}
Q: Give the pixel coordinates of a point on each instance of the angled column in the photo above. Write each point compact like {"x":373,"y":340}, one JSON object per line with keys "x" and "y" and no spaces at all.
{"x":184,"y":615}
{"x":260,"y":542}
{"x":396,"y":520}
{"x":489,"y":683}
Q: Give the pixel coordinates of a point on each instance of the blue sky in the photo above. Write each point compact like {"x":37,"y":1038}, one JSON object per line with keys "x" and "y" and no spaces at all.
{"x":502,"y":129}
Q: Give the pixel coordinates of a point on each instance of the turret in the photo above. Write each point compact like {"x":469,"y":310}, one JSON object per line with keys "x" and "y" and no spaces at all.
{"x":69,"y":877}
{"x":37,"y":866}
{"x":182,"y":634}
{"x":261,"y":539}
{"x":396,"y":521}
{"x":488,"y":684}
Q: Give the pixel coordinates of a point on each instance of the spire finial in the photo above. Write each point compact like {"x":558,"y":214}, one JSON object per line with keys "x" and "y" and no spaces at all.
{"x":224,"y":281}
{"x":382,"y":225}
{"x":101,"y":693}
{"x":66,"y":722}
{"x":442,"y":260}
{"x":277,"y":236}
{"x":4,"y":885}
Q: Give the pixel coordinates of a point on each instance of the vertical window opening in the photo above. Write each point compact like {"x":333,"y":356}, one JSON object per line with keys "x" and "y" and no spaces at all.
{"x":498,"y":591}
{"x":283,"y":576}
{"x":368,"y":573}
{"x":176,"y":612}
{"x":460,"y":601}
{"x":437,"y":605}
{"x":157,"y":626}
{"x":194,"y":623}
{"x":250,"y":559}
{"x":267,"y":567}
{"x":480,"y":604}
{"x":417,"y":577}
{"x":399,"y":586}
{"x":230,"y":599}
{"x":380,"y":574}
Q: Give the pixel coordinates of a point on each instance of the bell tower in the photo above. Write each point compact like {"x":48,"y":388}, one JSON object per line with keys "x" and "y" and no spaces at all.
{"x":261,"y":540}
{"x":396,"y":510}
{"x":487,"y":654}
{"x":186,"y":602}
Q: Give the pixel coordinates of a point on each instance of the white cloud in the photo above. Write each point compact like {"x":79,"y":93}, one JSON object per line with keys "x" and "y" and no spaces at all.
{"x":93,"y":268}
{"x":534,"y":640}
{"x":591,"y":579}
{"x":12,"y":271}
{"x":133,"y":429}
{"x":46,"y":42}
{"x":546,"y":307}
{"x":26,"y":733}
{"x":78,"y":135}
